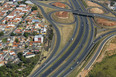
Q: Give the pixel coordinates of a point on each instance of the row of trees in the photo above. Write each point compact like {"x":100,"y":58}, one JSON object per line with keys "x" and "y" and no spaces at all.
{"x":12,"y":70}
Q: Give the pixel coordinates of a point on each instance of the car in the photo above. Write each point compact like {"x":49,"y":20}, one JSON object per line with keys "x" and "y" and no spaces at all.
{"x":77,"y":62}
{"x":71,"y":68}
{"x":72,"y":38}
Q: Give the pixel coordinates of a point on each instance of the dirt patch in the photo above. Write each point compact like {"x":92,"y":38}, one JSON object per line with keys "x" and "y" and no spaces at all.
{"x":63,"y":18}
{"x":83,"y":73}
{"x":105,"y":22}
{"x":89,"y":3}
{"x":96,"y":10}
{"x":108,"y":50}
{"x":112,"y":46}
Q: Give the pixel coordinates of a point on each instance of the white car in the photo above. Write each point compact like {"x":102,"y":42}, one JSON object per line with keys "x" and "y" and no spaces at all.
{"x":72,"y":38}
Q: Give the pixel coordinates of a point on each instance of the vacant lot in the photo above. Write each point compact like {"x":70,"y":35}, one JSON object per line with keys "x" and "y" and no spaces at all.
{"x":105,"y":22}
{"x":70,"y":18}
{"x":89,"y":3}
{"x":107,"y":68}
{"x":96,"y":10}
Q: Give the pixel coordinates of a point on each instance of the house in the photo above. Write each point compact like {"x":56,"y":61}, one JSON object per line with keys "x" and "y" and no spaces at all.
{"x":112,"y":7}
{"x":38,"y":38}
{"x":12,"y":53}
{"x":2,"y":63}
{"x":5,"y":51}
{"x":1,"y":53}
{"x":29,"y":2}
{"x":29,"y":55}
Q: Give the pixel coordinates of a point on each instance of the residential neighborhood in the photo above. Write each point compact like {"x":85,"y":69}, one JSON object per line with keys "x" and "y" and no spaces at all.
{"x":26,"y":29}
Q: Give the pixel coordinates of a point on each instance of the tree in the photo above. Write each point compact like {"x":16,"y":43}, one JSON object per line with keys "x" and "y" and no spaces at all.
{"x":16,"y":40}
{"x":26,"y":46}
{"x":1,"y":74}
{"x":50,"y":36}
{"x":26,"y":35}
{"x":24,"y":15}
{"x":1,"y":33}
{"x":4,"y":40}
{"x":112,"y":3}
{"x":34,"y":8}
{"x":50,"y":25}
{"x":21,"y":57}
{"x":20,"y":64}
{"x":13,"y":34}
{"x":34,"y":33}
{"x":6,"y":22}
{"x":20,"y":54}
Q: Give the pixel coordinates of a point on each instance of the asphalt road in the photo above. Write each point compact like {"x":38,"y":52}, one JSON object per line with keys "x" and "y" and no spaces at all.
{"x":79,"y":49}
{"x":103,"y":6}
{"x":77,"y":12}
{"x":69,"y":51}
{"x":39,"y":70}
{"x":64,"y":48}
{"x":78,"y":38}
{"x":98,"y":52}
{"x":57,"y":42}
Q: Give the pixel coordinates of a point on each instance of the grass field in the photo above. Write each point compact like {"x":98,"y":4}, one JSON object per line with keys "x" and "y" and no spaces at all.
{"x":107,"y":68}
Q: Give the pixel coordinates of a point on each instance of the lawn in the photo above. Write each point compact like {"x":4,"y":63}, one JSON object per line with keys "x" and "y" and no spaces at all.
{"x":107,"y":68}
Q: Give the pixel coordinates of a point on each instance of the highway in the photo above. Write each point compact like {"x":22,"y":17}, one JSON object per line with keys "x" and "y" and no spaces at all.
{"x":71,"y":61}
{"x":94,"y":15}
{"x":77,"y":12}
{"x":86,"y":52}
{"x":98,"y":52}
{"x":103,"y":6}
{"x":65,"y":46}
{"x":72,"y":48}
{"x":57,"y":42}
{"x":83,"y":36}
{"x":61,"y":51}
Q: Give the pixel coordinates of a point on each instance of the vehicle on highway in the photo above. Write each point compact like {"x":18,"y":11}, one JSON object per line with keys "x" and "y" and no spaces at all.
{"x":72,"y":38}
{"x":71,"y":68}
{"x":77,"y":62}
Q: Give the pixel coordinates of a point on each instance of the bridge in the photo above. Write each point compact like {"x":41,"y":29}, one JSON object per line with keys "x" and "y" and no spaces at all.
{"x":75,"y":12}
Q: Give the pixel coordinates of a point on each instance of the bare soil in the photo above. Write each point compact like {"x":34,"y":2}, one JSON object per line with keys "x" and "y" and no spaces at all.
{"x":112,"y":46}
{"x":96,"y":10}
{"x":105,"y":22}
{"x":108,"y":50}
{"x":89,"y":3}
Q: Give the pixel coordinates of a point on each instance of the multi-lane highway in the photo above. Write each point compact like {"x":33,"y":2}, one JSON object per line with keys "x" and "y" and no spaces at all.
{"x":77,"y":12}
{"x":73,"y":46}
{"x":73,"y":64}
{"x":83,"y":41}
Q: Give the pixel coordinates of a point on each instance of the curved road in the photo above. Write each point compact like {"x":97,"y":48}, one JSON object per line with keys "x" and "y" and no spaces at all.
{"x":78,"y":38}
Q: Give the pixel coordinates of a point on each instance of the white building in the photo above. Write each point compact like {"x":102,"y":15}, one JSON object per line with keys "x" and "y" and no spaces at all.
{"x":38,"y":38}
{"x":112,"y":7}
{"x":29,"y":55}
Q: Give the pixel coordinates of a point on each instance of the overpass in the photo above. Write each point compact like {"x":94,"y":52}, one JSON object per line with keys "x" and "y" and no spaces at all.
{"x":75,"y":12}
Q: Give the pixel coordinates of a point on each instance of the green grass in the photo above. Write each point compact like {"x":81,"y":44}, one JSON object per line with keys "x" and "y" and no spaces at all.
{"x":107,"y":68}
{"x":84,"y":3}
